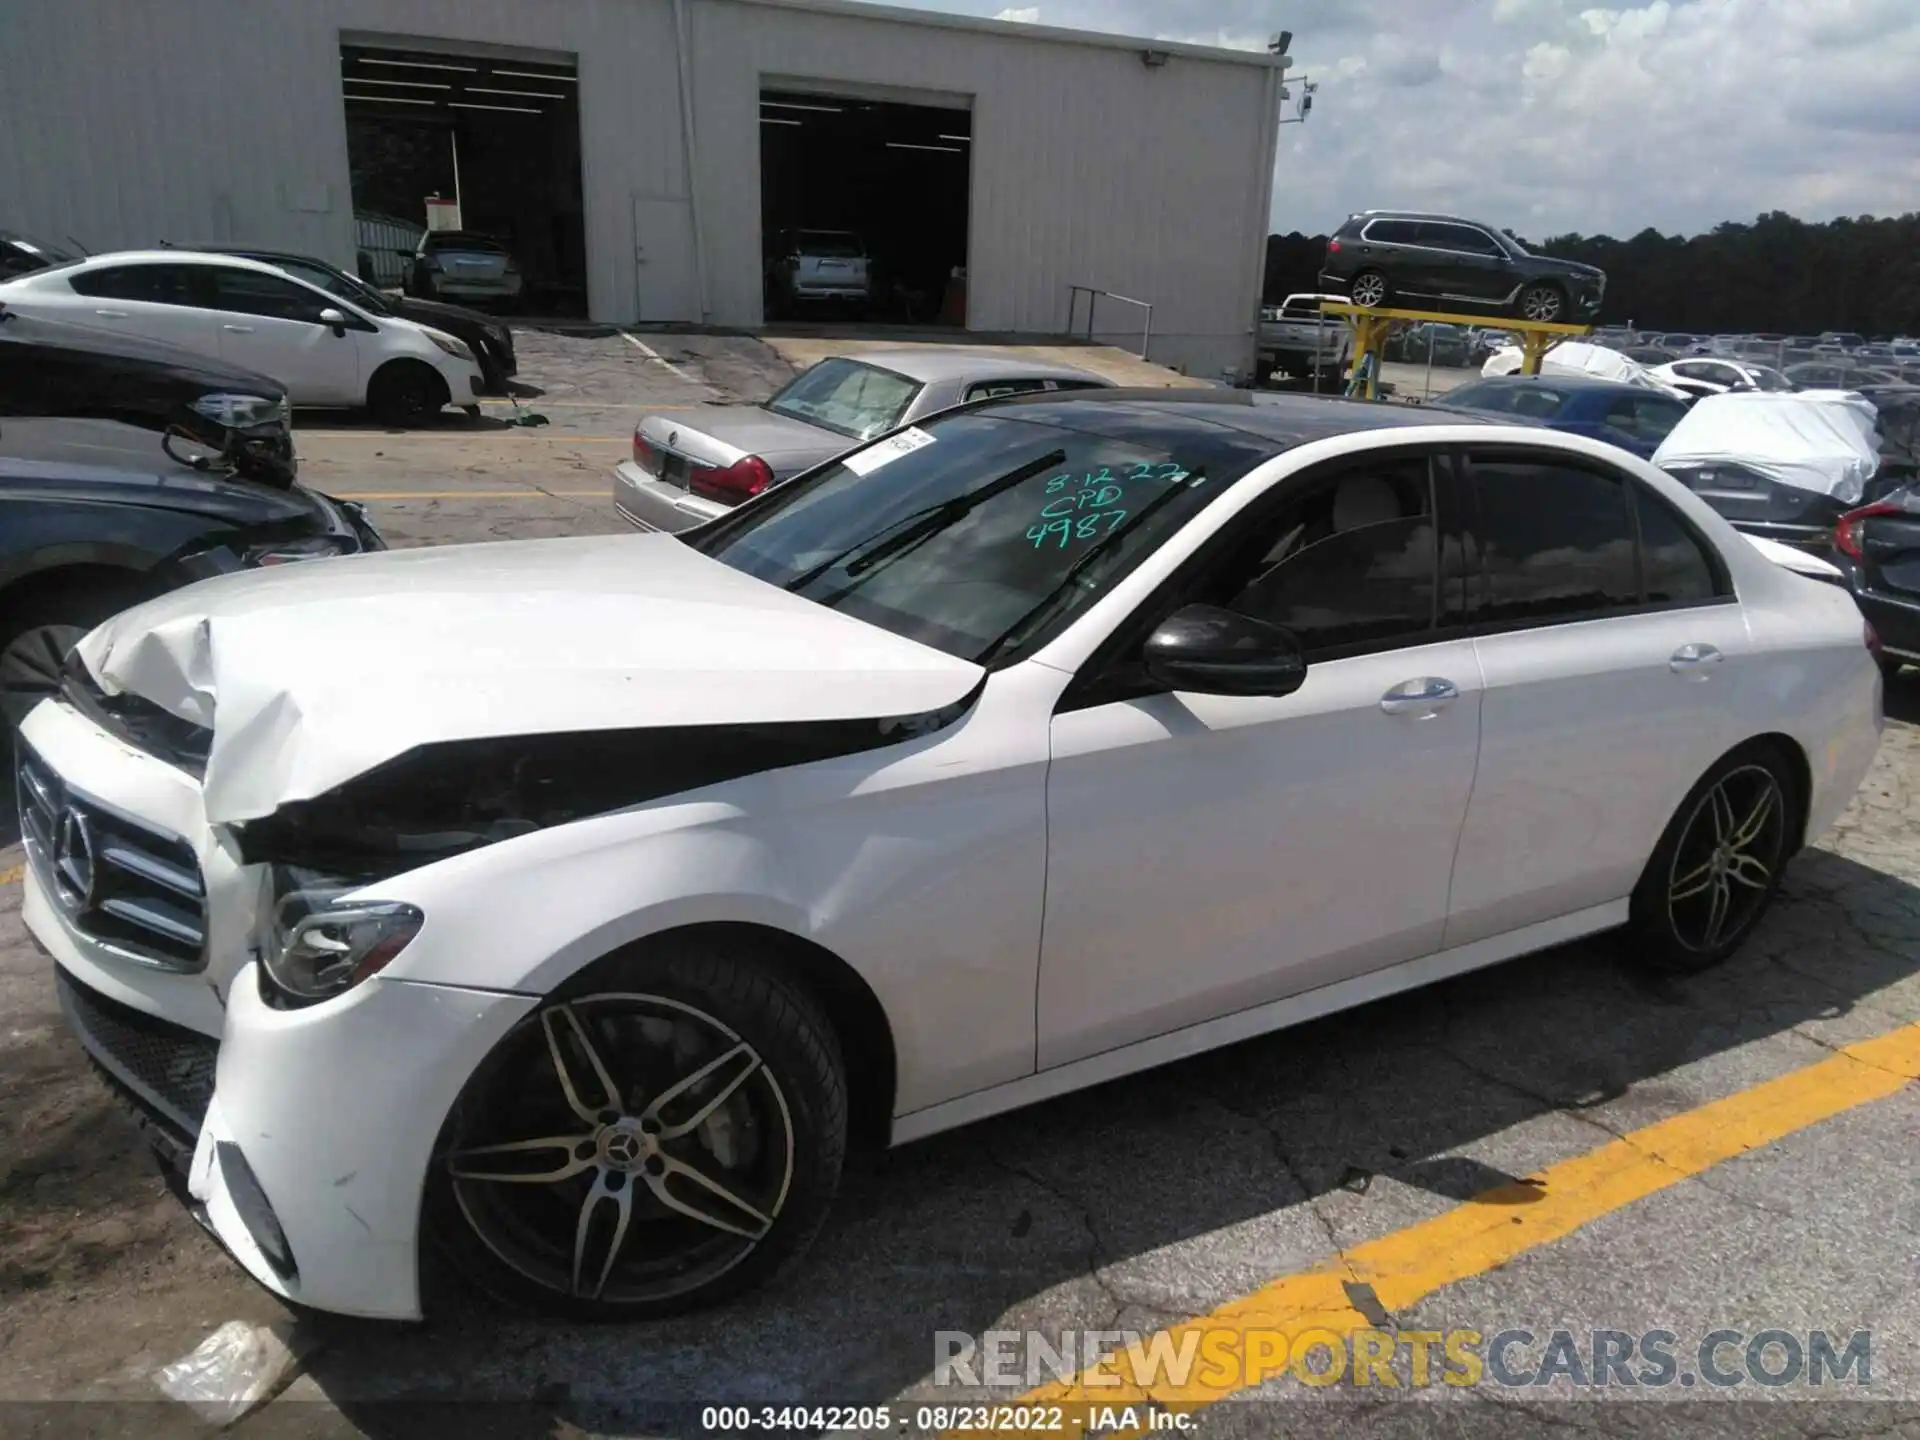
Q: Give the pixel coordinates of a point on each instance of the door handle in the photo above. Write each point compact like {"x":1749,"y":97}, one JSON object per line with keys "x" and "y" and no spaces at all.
{"x":111,"y":314}
{"x":238,"y":329}
{"x":1695,"y":661}
{"x":1425,"y":696}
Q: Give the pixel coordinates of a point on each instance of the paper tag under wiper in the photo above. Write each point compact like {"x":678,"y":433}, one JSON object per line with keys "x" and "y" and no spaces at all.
{"x":885,"y":452}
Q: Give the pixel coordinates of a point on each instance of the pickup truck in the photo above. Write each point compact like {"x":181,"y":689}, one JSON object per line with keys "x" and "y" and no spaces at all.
{"x":1297,"y":339}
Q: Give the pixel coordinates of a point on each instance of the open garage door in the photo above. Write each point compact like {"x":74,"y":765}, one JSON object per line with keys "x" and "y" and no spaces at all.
{"x":863,"y":207}
{"x":486,"y":148}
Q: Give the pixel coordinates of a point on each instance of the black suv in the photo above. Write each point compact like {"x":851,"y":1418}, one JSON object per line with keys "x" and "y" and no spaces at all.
{"x":129,"y":468}
{"x":1386,"y":257}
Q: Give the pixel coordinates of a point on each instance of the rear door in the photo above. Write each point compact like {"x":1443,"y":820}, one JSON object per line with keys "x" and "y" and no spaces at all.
{"x":1609,"y":639}
{"x":1392,"y":247}
{"x":272,"y":324}
{"x":157,"y":301}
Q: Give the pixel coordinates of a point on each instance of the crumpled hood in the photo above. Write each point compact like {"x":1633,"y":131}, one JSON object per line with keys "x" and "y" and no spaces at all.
{"x":312,"y":674}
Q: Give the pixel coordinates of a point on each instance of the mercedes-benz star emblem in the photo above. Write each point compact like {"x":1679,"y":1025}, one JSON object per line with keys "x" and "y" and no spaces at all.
{"x":73,"y":858}
{"x":623,"y":1149}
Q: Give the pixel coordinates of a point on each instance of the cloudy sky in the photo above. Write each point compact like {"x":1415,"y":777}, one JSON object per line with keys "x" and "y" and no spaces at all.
{"x":1546,"y":116}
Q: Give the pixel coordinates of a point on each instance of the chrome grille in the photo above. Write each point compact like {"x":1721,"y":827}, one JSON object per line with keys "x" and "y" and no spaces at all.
{"x":119,"y":881}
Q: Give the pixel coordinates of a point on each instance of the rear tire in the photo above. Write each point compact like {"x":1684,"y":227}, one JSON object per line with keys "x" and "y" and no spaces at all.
{"x":604,"y":1228}
{"x":1717,"y":868}
{"x":406,"y":392}
{"x":1369,"y":290}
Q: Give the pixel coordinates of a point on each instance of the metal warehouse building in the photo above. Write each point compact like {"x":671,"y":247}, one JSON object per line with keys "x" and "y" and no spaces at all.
{"x":647,"y":158}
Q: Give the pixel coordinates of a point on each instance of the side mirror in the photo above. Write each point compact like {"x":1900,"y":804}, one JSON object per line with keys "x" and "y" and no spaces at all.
{"x":334,"y":320}
{"x":1217,"y":652}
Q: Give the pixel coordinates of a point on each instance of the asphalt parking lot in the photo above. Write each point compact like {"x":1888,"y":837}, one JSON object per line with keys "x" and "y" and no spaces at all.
{"x":1556,"y":1144}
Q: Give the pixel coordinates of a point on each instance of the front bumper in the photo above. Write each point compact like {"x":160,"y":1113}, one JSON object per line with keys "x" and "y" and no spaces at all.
{"x":334,"y":1108}
{"x":648,"y":503}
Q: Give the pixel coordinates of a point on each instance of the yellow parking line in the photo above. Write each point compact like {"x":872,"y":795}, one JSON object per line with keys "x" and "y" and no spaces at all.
{"x":471,"y":494}
{"x":1498,"y":1225}
{"x":8,"y":876}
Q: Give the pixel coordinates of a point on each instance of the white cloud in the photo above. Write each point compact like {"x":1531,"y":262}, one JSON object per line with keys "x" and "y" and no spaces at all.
{"x":1589,"y":115}
{"x":1025,"y":15}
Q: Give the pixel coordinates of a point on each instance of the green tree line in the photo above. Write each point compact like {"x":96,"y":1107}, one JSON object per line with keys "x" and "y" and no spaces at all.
{"x":1777,"y":274}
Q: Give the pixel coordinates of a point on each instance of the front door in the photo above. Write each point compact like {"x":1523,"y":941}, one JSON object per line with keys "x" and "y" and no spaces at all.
{"x":1209,"y":853}
{"x":273,"y":326}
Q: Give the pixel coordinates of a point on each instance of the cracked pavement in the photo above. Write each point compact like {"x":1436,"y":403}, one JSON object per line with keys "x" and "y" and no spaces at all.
{"x":1137,"y":1205}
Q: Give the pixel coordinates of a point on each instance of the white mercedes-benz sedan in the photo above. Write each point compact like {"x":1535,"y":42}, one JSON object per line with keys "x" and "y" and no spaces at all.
{"x":563,"y":910}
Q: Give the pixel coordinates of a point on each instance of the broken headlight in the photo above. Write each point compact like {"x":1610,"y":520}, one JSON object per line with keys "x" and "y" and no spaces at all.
{"x":244,"y":412}
{"x":323,"y":945}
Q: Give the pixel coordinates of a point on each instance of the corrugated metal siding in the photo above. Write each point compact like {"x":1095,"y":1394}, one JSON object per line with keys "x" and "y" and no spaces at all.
{"x":124,"y":124}
{"x":1089,"y":168}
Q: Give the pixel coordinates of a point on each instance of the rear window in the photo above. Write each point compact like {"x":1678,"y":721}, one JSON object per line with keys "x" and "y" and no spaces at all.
{"x":831,"y":243}
{"x":453,"y":240}
{"x":1537,"y":402}
{"x":847,"y":397}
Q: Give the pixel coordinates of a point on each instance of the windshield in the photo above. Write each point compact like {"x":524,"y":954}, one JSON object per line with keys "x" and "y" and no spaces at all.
{"x":985,"y":533}
{"x":335,"y":283}
{"x":847,"y":397}
{"x":51,"y":254}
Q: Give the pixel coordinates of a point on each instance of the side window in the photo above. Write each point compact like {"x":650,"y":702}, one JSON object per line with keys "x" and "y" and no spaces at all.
{"x":1077,"y":385}
{"x":1556,"y":541}
{"x":994,"y":389}
{"x":1676,"y":568}
{"x":152,"y":284}
{"x":1392,"y":232}
{"x":1348,"y":559}
{"x":249,"y":292}
{"x":1457,"y":237}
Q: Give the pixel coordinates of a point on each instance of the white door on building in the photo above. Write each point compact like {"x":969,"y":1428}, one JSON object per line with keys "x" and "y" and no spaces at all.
{"x":666,"y":281}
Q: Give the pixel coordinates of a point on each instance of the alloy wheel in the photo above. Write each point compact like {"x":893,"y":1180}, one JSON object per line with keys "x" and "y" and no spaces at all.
{"x":1369,"y":289}
{"x":622,"y":1148}
{"x":1541,"y":303}
{"x":31,"y":666}
{"x":1729,"y":855}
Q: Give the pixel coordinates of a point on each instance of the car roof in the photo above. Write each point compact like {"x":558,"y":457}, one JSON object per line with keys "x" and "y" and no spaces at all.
{"x":1284,"y":419}
{"x":949,"y":362}
{"x":162,"y":257}
{"x":251,"y":252}
{"x":1419,"y":215}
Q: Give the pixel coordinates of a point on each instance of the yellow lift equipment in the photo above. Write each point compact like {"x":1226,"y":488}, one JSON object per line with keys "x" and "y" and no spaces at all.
{"x":1370,"y":328}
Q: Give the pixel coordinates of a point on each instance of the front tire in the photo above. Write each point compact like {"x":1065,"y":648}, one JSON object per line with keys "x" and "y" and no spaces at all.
{"x":406,"y":392}
{"x":35,"y":639}
{"x":1717,"y":867}
{"x":664,"y":1132}
{"x":1544,"y":304}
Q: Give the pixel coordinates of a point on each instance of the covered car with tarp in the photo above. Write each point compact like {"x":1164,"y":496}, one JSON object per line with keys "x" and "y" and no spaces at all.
{"x":1577,"y":357}
{"x":1784,"y":466}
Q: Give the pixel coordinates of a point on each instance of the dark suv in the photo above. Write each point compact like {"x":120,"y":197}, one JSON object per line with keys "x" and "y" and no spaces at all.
{"x":1386,"y":257}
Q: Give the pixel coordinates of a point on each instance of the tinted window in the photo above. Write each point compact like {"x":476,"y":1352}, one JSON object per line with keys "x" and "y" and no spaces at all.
{"x":1458,"y":237}
{"x":249,"y":292}
{"x":992,"y":389}
{"x":1348,"y":560}
{"x":1482,"y":397}
{"x":990,"y":534}
{"x":460,"y":240}
{"x":1393,"y":232}
{"x":1646,"y":418}
{"x":1557,"y":542}
{"x":336,"y":284}
{"x":154,"y":284}
{"x":1675,"y":567}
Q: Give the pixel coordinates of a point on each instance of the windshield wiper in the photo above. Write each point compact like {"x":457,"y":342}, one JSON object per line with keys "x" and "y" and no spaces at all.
{"x":922,"y":524}
{"x":1033,"y":618}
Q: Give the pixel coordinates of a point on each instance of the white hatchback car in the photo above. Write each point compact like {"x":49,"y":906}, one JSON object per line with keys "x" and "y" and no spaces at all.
{"x":563,"y":909}
{"x":324,"y":350}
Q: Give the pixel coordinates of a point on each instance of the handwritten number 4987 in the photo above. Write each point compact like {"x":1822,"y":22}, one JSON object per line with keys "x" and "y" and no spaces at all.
{"x":1068,"y":529}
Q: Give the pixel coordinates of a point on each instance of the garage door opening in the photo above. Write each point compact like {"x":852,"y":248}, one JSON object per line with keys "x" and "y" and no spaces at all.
{"x":488,"y":149}
{"x":863,"y":208}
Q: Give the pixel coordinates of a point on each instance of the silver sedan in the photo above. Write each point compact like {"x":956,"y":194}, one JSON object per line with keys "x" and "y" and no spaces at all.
{"x":682,"y":474}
